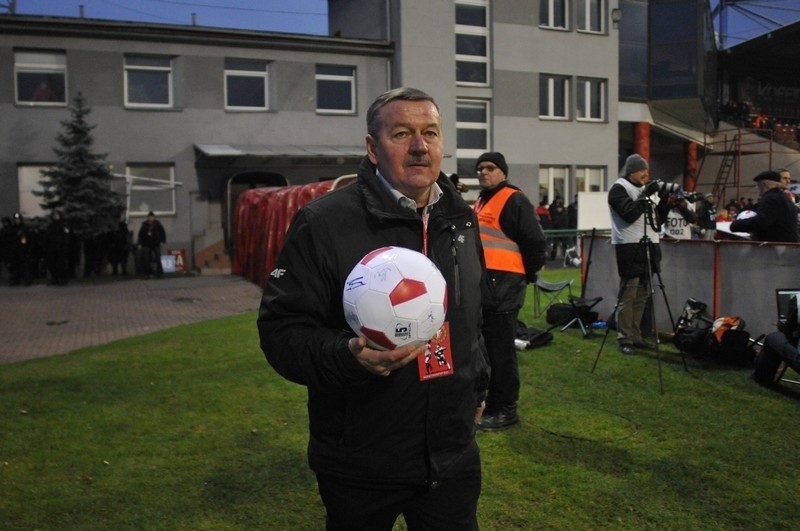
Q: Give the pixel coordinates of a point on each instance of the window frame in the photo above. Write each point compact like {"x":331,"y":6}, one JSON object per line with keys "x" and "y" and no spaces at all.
{"x":168,"y":70}
{"x":29,"y":177}
{"x":148,"y":184}
{"x":588,"y":175}
{"x":23,"y":65}
{"x":551,"y":174}
{"x":473,"y":126}
{"x":550,"y":23}
{"x":585,"y":6}
{"x":551,"y":104}
{"x":474,"y":31}
{"x":584,"y":99}
{"x":339,"y":78}
{"x":232,"y":73}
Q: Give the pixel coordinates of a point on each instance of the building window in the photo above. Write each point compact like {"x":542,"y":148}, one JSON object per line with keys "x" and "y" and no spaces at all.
{"x":553,"y":14}
{"x":151,"y":187}
{"x":472,"y":43}
{"x":246,"y":85}
{"x":28,"y":178}
{"x":472,"y":131}
{"x":553,"y":97}
{"x":554,"y":182}
{"x":336,"y":89}
{"x":590,"y":179}
{"x":591,"y":99}
{"x":148,"y":81}
{"x":591,"y":15}
{"x":41,"y":78}
{"x":472,"y":127}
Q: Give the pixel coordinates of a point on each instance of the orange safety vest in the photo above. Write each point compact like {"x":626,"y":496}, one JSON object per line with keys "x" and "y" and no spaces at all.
{"x":501,"y":252}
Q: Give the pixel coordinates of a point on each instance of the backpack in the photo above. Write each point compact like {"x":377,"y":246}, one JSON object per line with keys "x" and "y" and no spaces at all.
{"x":728,"y":342}
{"x":693,"y":328}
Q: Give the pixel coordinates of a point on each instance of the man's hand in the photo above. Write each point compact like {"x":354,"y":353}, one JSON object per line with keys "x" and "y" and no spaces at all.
{"x":650,"y":189}
{"x":383,"y":362}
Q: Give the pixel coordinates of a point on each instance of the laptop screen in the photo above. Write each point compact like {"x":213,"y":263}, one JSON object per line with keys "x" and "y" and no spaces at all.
{"x":783,"y":295}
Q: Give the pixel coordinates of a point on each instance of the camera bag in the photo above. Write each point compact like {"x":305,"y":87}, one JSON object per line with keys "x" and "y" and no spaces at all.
{"x":729,"y":343}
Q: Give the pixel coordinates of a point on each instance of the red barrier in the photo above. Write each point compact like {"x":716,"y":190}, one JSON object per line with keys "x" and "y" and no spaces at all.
{"x":261,"y":220}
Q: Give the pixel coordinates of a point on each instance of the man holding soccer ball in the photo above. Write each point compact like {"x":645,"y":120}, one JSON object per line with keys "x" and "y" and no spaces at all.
{"x":514,"y":247}
{"x":386,"y":439}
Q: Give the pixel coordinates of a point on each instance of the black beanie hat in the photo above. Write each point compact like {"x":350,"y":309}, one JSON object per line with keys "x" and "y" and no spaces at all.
{"x":497,"y":158}
{"x":768,"y":176}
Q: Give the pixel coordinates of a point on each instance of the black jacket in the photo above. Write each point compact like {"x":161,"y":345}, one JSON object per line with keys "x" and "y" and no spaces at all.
{"x":504,"y":291}
{"x":775,"y":219}
{"x":363,"y":426}
{"x":151,"y":235}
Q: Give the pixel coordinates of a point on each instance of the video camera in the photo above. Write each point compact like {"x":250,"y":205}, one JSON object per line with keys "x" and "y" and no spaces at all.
{"x":663,"y":188}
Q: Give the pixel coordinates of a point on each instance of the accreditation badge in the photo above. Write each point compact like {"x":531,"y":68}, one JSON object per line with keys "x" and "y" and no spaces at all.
{"x":437,"y":360}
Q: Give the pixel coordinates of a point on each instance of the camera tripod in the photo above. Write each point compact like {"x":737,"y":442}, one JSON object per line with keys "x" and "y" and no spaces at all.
{"x":645,"y":244}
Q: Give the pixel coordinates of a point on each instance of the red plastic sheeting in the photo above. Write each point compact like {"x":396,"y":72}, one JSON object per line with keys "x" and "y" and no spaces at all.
{"x":262,"y":218}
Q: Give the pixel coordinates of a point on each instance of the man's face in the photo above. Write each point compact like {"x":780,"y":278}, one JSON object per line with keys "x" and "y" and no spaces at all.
{"x":489,"y":175}
{"x":640,"y":178}
{"x":409,"y":149}
{"x":786,"y":179}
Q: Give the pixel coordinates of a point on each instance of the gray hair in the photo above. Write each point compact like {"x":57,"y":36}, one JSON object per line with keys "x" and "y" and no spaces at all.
{"x":402,"y":94}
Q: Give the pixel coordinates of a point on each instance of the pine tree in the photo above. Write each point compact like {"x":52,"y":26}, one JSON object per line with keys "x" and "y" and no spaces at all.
{"x":80,"y":183}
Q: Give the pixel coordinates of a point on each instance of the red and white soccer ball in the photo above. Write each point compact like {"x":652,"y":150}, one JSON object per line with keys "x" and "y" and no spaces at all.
{"x":395,"y":296}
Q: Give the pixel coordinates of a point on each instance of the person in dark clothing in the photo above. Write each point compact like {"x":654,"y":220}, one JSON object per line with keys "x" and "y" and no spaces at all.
{"x":20,"y":252}
{"x":776,"y":216}
{"x":572,"y":214}
{"x":58,"y":243}
{"x":5,"y":242}
{"x":385,"y":440}
{"x":559,"y":220}
{"x":630,"y":206}
{"x":119,"y":248}
{"x":151,"y":236}
{"x":514,"y":250}
{"x":706,"y":212}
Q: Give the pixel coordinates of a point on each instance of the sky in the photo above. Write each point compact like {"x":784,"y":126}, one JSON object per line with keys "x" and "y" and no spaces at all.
{"x":746,"y":19}
{"x":293,"y":16}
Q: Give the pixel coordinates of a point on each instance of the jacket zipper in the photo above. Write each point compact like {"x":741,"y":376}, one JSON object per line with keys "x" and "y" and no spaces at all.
{"x":456,"y":274}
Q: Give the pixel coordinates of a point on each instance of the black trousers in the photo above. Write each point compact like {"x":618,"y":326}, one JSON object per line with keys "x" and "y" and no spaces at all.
{"x":448,"y":504}
{"x":499,"y":332}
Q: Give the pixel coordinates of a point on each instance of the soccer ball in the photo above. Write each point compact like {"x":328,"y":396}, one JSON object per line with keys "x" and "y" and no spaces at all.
{"x":395,"y":296}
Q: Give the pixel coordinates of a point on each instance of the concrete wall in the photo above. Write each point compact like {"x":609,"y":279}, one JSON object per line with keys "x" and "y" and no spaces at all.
{"x":732,"y":277}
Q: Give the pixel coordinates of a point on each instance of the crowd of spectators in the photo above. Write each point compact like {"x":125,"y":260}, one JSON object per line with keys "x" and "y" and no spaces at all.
{"x":782,"y":129}
{"x":45,"y":250}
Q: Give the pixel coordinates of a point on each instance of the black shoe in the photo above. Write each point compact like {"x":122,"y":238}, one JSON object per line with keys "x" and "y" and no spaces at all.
{"x":644,"y":343}
{"x":499,"y":421}
{"x":626,"y":348}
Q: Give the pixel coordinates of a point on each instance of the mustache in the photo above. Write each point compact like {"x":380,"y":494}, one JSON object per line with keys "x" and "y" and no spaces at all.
{"x":418,"y":161}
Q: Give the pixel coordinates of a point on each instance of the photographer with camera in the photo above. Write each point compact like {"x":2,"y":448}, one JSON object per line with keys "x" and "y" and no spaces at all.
{"x":632,"y":210}
{"x":680,"y":218}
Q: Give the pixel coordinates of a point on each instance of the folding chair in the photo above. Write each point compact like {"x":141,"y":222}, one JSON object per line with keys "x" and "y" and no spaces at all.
{"x":583,"y":309}
{"x":549,"y":292}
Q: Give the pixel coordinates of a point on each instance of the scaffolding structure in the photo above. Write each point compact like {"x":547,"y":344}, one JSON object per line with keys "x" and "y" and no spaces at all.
{"x":730,"y":145}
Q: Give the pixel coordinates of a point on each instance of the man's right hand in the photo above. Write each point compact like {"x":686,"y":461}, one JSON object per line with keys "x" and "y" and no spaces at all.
{"x":383,"y":362}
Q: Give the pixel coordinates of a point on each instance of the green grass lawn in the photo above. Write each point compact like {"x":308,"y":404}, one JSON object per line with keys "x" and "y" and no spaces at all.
{"x":189,"y":428}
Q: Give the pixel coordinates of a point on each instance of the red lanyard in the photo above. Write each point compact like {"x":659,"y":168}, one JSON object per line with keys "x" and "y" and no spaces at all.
{"x":425,"y":218}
